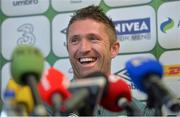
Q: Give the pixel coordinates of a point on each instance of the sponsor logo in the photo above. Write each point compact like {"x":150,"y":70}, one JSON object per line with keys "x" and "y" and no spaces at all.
{"x":167,"y":25}
{"x":70,"y":70}
{"x":123,"y":74}
{"x":24,"y":7}
{"x":64,"y":31}
{"x":75,"y":1}
{"x":27,"y":34}
{"x":72,"y":115}
{"x":71,"y":5}
{"x":172,"y":70}
{"x":24,"y":2}
{"x":136,"y":29}
{"x":132,"y":26}
{"x":117,"y":3}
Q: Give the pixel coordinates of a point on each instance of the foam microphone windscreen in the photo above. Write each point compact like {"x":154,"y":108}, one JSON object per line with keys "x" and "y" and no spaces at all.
{"x":139,"y":68}
{"x":26,"y":60}
{"x":53,"y":82}
{"x":116,"y":90}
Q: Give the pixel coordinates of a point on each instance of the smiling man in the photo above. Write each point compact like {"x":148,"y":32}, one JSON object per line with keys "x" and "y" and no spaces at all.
{"x":92,"y":44}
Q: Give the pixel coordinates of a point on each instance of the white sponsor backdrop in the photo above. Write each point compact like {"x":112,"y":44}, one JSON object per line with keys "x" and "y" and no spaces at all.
{"x":148,"y":28}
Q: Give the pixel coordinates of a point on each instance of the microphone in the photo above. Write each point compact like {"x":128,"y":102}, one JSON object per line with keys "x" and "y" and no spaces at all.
{"x":26,"y":68}
{"x":118,"y":97}
{"x":27,"y":61}
{"x":53,"y":88}
{"x":9,"y":104}
{"x":86,"y":94}
{"x":113,"y":94}
{"x":23,"y":98}
{"x":13,"y":86}
{"x":147,"y":74}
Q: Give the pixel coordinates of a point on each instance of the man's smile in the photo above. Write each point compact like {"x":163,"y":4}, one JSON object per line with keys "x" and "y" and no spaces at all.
{"x":87,"y":60}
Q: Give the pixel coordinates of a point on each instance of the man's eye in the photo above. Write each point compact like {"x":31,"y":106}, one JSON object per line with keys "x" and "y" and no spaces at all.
{"x":93,"y":38}
{"x":74,"y":40}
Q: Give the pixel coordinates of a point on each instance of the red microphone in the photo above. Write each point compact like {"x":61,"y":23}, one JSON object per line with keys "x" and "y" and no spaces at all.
{"x":118,"y":97}
{"x":53,"y":88}
{"x":117,"y":91}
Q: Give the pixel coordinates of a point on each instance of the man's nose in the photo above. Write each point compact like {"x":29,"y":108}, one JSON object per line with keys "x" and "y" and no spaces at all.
{"x":85,"y":45}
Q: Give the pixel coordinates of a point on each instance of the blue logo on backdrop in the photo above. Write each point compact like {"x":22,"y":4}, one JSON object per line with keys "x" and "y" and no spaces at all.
{"x":123,"y":74}
{"x":166,"y":25}
{"x":64,"y":31}
{"x":134,"y":26}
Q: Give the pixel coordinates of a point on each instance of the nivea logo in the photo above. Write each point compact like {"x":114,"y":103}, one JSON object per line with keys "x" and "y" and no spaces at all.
{"x":166,"y":25}
{"x":135,"y":26}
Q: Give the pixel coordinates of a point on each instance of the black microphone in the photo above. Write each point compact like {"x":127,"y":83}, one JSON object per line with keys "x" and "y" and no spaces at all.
{"x":146,"y":74}
{"x":26,"y":68}
{"x":86,"y":94}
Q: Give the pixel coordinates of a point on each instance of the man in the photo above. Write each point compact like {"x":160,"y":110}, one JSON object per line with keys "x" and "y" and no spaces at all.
{"x":92,"y":44}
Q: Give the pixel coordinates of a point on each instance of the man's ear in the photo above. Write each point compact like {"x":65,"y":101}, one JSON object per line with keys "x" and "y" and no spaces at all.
{"x":115,"y":49}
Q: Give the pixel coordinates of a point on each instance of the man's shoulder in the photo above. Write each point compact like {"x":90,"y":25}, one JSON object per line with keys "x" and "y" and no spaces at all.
{"x":100,"y":111}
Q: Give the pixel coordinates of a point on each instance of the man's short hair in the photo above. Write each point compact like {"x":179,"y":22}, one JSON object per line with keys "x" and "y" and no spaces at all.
{"x":97,"y":14}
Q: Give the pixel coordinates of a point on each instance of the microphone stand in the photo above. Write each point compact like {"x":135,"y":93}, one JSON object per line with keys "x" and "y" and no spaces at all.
{"x":32,"y":83}
{"x":157,"y":105}
{"x":130,"y":109}
{"x":57,"y":100}
{"x":158,"y":110}
{"x":75,"y":103}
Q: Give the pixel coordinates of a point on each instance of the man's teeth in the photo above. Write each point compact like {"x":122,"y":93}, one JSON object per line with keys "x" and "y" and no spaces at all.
{"x":87,"y":60}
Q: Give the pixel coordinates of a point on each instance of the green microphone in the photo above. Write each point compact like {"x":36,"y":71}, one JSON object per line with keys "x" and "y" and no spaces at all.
{"x":26,"y":60}
{"x":26,"y":67}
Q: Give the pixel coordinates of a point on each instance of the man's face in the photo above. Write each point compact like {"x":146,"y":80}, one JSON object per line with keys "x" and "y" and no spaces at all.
{"x":89,"y":47}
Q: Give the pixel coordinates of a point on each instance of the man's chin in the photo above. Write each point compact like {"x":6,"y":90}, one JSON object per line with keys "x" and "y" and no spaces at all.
{"x":84,"y":75}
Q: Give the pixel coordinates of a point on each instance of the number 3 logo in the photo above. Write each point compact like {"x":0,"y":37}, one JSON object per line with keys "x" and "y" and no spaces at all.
{"x":27,"y":35}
